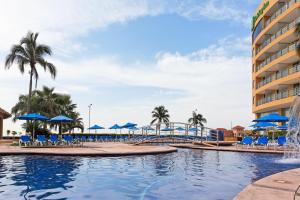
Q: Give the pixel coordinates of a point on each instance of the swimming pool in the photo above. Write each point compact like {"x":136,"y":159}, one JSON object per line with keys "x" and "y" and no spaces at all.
{"x":186,"y":174}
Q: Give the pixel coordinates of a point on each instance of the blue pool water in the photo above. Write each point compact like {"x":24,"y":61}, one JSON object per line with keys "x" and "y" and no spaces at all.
{"x":186,"y":174}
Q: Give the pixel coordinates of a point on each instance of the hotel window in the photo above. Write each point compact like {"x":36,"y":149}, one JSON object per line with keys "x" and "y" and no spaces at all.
{"x":257,"y":30}
{"x":253,"y":99}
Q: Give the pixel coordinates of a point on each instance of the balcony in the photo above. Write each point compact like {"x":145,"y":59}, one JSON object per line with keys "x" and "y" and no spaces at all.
{"x":278,"y":54}
{"x":280,"y":74}
{"x":277,"y":34}
{"x":280,"y":95}
{"x":280,"y":11}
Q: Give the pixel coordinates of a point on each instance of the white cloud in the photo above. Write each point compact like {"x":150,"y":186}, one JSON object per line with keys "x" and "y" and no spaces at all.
{"x":213,"y":80}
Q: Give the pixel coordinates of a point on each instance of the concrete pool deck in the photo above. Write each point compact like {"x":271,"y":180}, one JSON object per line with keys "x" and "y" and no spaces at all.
{"x":89,"y":149}
{"x":284,"y":185}
{"x":230,"y":148}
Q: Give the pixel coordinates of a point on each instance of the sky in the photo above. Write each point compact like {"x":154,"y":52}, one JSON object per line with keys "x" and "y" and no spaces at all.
{"x":126,"y":57}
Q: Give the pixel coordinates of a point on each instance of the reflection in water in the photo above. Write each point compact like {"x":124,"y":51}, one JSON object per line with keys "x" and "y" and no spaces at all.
{"x":186,"y":174}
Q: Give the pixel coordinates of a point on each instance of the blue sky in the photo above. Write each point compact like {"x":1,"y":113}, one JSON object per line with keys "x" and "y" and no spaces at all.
{"x":125,"y":57}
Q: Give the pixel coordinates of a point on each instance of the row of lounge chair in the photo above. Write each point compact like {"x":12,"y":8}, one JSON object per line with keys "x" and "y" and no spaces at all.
{"x":260,"y":141}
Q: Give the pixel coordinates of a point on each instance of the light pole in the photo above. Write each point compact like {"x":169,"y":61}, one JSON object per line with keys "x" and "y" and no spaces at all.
{"x":90,"y":116}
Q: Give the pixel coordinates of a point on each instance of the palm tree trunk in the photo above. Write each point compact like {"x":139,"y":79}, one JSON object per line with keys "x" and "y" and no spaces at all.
{"x":201,"y":134}
{"x":30,"y":92}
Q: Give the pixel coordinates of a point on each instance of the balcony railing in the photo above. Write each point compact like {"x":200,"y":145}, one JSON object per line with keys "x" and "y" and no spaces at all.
{"x":280,"y":11}
{"x":278,"y":54}
{"x":277,"y":34}
{"x":280,"y":95}
{"x":280,"y":74}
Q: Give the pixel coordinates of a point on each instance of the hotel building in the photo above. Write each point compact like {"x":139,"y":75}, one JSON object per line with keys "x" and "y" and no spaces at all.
{"x":275,"y":63}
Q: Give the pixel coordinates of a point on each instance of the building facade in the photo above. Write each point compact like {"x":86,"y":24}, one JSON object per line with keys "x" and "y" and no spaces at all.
{"x":275,"y":63}
{"x":3,"y":115}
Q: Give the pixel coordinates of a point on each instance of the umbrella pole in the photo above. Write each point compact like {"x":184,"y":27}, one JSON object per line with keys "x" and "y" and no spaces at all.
{"x":33,"y":130}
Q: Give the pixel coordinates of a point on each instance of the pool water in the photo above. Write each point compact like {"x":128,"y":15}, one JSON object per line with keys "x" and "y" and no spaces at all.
{"x":186,"y":174}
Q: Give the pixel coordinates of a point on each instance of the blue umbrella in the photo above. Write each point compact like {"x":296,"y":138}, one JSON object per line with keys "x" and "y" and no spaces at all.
{"x":274,"y":117}
{"x":283,"y":127}
{"x":148,"y":128}
{"x":60,"y":119}
{"x":263,"y":124}
{"x":193,"y":129}
{"x":129,"y":125}
{"x":116,"y":126}
{"x":167,"y":129}
{"x":179,"y":129}
{"x":95,"y":127}
{"x":33,"y":116}
{"x":133,"y":128}
{"x":259,"y":129}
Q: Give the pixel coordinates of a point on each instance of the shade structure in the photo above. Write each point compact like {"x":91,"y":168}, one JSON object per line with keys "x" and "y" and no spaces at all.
{"x":60,"y":118}
{"x":259,"y":129}
{"x":116,"y":126}
{"x":96,"y":127}
{"x":167,"y":129}
{"x":128,"y":125}
{"x":179,"y":129}
{"x":193,"y":129}
{"x":263,"y":124}
{"x":148,"y":128}
{"x":274,"y":117}
{"x":283,"y":127}
{"x":33,"y":116}
{"x":133,"y":128}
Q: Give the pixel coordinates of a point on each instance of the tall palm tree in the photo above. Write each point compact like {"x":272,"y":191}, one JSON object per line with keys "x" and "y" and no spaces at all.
{"x":29,"y":52}
{"x":160,"y":115}
{"x":197,"y":120}
{"x":298,"y":34}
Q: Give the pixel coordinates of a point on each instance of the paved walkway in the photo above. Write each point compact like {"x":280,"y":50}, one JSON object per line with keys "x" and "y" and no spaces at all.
{"x":90,"y":149}
{"x":281,"y":186}
{"x":230,"y":148}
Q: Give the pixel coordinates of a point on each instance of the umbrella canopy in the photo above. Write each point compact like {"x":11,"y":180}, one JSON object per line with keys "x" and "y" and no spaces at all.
{"x":263,"y":124}
{"x":60,"y":118}
{"x":148,"y":128}
{"x":274,"y":117}
{"x":283,"y":127}
{"x":259,"y":129}
{"x":116,"y":126}
{"x":193,"y":129}
{"x":167,"y":129}
{"x":33,"y":116}
{"x":133,"y":128}
{"x":129,"y":125}
{"x":95,"y":127}
{"x":179,"y":129}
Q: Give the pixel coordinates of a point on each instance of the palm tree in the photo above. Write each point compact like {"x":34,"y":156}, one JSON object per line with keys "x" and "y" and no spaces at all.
{"x":160,"y":115}
{"x":195,"y":120}
{"x":297,"y":31}
{"x":29,"y":52}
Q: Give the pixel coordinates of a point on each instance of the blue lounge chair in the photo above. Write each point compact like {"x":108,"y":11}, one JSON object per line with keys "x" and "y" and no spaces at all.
{"x":53,"y":139}
{"x":83,"y":138}
{"x":24,"y":139}
{"x":68,"y":139}
{"x":247,"y":140}
{"x":281,"y":140}
{"x":91,"y":138}
{"x":262,"y":141}
{"x":41,"y":139}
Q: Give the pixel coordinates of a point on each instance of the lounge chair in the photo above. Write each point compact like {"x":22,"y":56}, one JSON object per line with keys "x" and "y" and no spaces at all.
{"x":53,"y":139}
{"x":83,"y":138}
{"x":247,"y":140}
{"x":91,"y":138}
{"x":281,"y":140}
{"x":24,"y":139}
{"x":262,"y":141}
{"x":68,"y":139}
{"x":41,"y":139}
